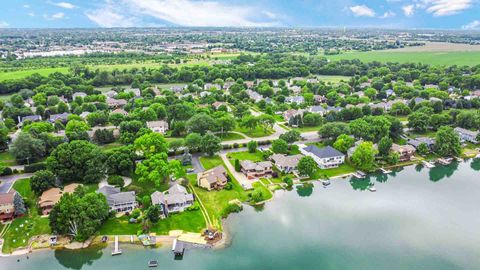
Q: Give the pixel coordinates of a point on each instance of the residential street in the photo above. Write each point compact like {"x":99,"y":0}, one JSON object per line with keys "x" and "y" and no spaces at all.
{"x":8,"y":181}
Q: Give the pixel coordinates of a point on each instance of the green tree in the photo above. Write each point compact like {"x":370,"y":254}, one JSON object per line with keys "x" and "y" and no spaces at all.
{"x":419,"y":121}
{"x":422,"y":149}
{"x":176,"y":144}
{"x":252,"y":146}
{"x":211,"y":144}
{"x":77,"y":130}
{"x":225,"y":123}
{"x":193,"y":142}
{"x":41,"y":181}
{"x":343,"y":143}
{"x":447,"y":142}
{"x":238,"y":167}
{"x":153,"y":213}
{"x":27,"y":149}
{"x":158,"y":170}
{"x":151,"y":144}
{"x":266,"y":121}
{"x":291,"y":136}
{"x":364,"y":156}
{"x":201,"y":123}
{"x":280,"y":146}
{"x":249,"y":121}
{"x":307,"y":166}
{"x":79,"y":216}
{"x":77,"y":161}
{"x":384,"y":146}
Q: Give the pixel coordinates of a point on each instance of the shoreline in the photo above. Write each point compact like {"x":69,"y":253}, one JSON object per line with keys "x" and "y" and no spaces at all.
{"x":162,"y":241}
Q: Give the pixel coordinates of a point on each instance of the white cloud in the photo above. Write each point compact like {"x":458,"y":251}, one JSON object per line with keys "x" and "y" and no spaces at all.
{"x":408,"y":10}
{"x":26,"y":6}
{"x":475,"y":25}
{"x":31,"y":14}
{"x":55,"y":16}
{"x":4,"y":24}
{"x":108,"y":17}
{"x":362,"y":10}
{"x":445,"y":7}
{"x":65,"y":5}
{"x":125,"y":13}
{"x":388,"y":14}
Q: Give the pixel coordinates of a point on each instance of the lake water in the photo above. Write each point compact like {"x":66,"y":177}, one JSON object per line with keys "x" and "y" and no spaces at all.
{"x":419,"y":218}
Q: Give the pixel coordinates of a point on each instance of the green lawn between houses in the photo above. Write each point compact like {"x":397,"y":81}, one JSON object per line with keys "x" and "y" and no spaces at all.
{"x":22,"y":229}
{"x":254,"y":133}
{"x":245,"y":155}
{"x":328,"y":173}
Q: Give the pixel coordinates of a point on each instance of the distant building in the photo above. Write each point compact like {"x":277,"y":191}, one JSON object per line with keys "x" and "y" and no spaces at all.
{"x":295,"y":99}
{"x":256,"y":97}
{"x":78,"y":94}
{"x":326,"y":157}
{"x":62,"y":117}
{"x":136,"y":92}
{"x":215,"y":178}
{"x":116,"y":103}
{"x":120,"y":202}
{"x":158,"y":126}
{"x":175,"y":199}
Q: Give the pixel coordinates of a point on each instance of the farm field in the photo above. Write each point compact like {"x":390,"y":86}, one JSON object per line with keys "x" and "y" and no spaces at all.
{"x":20,"y":74}
{"x":468,"y":58}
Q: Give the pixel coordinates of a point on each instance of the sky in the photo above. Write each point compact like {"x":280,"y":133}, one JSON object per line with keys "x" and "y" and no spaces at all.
{"x":398,"y":14}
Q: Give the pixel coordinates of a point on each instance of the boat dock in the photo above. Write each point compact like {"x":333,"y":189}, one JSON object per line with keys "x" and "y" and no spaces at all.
{"x":116,"y":250}
{"x":444,"y":161}
{"x":385,"y":171}
{"x":359,"y":174}
{"x":178,"y":248}
{"x":428,"y":164}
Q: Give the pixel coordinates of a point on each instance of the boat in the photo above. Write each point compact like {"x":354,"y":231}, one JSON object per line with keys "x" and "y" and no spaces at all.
{"x":326,"y":183}
{"x":372,"y":189}
{"x":152,"y":263}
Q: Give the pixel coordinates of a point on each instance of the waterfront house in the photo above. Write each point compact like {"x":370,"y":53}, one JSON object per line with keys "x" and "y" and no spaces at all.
{"x":467,"y":135}
{"x":50,"y":197}
{"x":406,"y":152}
{"x":215,"y":178}
{"x":256,"y":169}
{"x":62,"y":117}
{"x":158,"y":126}
{"x":120,"y":202}
{"x":286,"y":163}
{"x":7,"y":205}
{"x":175,"y":199}
{"x":326,"y":157}
{"x":416,"y":142}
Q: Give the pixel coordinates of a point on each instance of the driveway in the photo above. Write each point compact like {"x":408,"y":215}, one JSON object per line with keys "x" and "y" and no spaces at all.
{"x":241,"y":178}
{"x":8,"y":181}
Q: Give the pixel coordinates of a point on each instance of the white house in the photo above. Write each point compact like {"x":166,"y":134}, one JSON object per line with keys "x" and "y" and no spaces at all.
{"x":120,"y":202}
{"x":158,"y":126}
{"x":467,"y":135}
{"x":326,"y":157}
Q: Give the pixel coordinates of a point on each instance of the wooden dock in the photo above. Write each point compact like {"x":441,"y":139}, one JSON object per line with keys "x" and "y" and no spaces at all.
{"x":428,"y":164}
{"x":116,"y":250}
{"x":385,"y":171}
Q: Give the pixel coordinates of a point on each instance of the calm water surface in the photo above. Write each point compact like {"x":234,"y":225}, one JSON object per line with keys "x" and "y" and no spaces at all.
{"x":419,"y":218}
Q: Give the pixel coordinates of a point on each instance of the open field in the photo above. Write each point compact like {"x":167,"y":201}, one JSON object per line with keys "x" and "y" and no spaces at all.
{"x":440,"y":47}
{"x":20,"y":74}
{"x":468,"y":58}
{"x":333,"y":78}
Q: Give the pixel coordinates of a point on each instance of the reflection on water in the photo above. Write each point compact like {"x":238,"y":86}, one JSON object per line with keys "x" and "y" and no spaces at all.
{"x":437,"y":173}
{"x":305,"y":190}
{"x":360,"y":183}
{"x":76,"y":259}
{"x":475,"y":164}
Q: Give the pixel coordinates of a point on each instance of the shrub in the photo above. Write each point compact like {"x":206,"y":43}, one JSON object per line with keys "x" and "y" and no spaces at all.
{"x":288,"y":181}
{"x":7,"y":171}
{"x":135,"y":213}
{"x":229,"y":186}
{"x":237,"y":165}
{"x":115,"y":180}
{"x":194,"y":207}
{"x":231,"y":208}
{"x":34,"y":167}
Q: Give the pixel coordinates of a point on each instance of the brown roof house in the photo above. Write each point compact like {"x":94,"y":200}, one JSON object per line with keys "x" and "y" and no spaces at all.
{"x":11,"y":205}
{"x":158,"y":126}
{"x":253,"y":170}
{"x":51,"y":197}
{"x":215,"y":178}
{"x":406,"y":152}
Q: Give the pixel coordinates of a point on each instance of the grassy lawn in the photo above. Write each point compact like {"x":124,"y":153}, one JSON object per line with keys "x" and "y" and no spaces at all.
{"x":333,"y":78}
{"x":267,"y":194}
{"x":144,"y":188}
{"x":254,"y":133}
{"x":306,"y":129}
{"x":328,"y":173}
{"x":210,"y":162}
{"x":231,"y":137}
{"x":20,"y":74}
{"x":7,"y":159}
{"x":245,"y":155}
{"x":190,"y":221}
{"x":469,"y":58}
{"x":22,"y":229}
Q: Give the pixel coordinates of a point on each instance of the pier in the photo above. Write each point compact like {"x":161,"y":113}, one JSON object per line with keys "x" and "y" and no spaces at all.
{"x":116,"y":250}
{"x":428,"y":164}
{"x":385,"y":171}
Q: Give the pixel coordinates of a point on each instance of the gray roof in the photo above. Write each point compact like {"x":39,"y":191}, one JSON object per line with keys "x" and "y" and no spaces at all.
{"x":325,"y":152}
{"x":176,"y":194}
{"x":32,"y":118}
{"x":62,"y":116}
{"x":417,"y":141}
{"x":115,"y":196}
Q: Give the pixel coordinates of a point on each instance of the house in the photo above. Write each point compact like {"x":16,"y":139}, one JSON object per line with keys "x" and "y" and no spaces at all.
{"x":136,"y":92}
{"x":319,"y":99}
{"x":110,"y":94}
{"x":175,"y":199}
{"x":120,"y":202}
{"x":295,"y":99}
{"x":217,"y":104}
{"x":120,"y":111}
{"x":84,"y":115}
{"x":158,"y":126}
{"x":254,"y":95}
{"x":50,"y":197}
{"x":215,"y":178}
{"x":204,"y":94}
{"x":312,"y":80}
{"x":389,"y":92}
{"x":78,"y":94}
{"x":291,"y":113}
{"x":227,"y":85}
{"x":62,"y":117}
{"x":31,"y":118}
{"x":429,"y":142}
{"x":178,"y":88}
{"x":210,"y":86}
{"x":249,"y":84}
{"x":116,"y":103}
{"x":256,"y":169}
{"x":286,"y":163}
{"x":406,"y":152}
{"x":295,"y":89}
{"x":317,"y":109}
{"x":467,"y":135}
{"x":326,"y":157}
{"x":7,"y":205}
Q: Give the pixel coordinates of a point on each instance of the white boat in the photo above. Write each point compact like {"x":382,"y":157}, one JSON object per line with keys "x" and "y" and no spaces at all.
{"x":325,"y":183}
{"x":152,"y":263}
{"x":372,"y":189}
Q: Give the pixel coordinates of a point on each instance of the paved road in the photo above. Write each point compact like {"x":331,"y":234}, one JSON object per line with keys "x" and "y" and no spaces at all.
{"x":8,"y":181}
